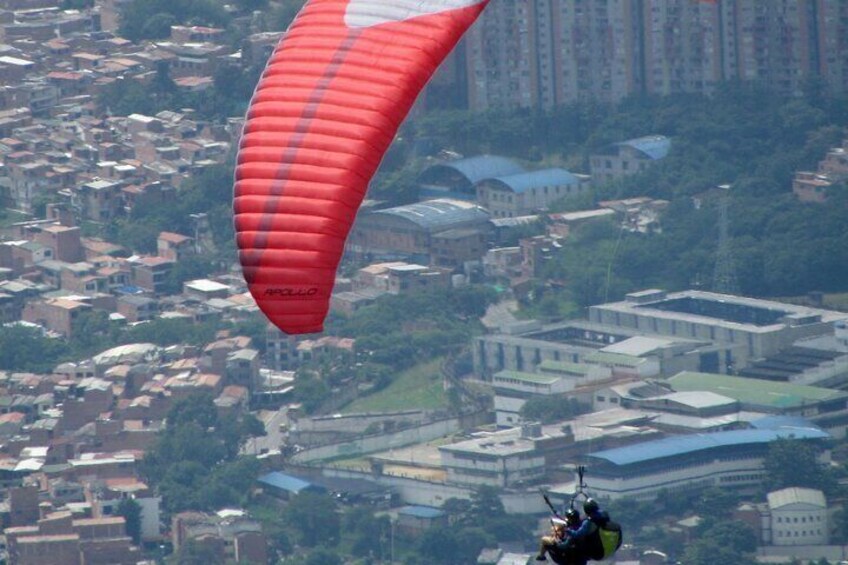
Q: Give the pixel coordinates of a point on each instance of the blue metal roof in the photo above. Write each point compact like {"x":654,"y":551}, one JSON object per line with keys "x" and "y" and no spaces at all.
{"x":288,"y":483}
{"x":523,"y":182}
{"x":681,"y":445}
{"x":439,"y":214}
{"x":780,"y":422}
{"x":653,"y":146}
{"x":482,"y":167}
{"x":421,"y":512}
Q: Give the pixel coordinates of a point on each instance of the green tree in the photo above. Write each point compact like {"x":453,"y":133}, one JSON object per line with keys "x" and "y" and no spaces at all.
{"x":134,"y":235}
{"x":251,"y":5}
{"x":840,"y":526}
{"x":459,"y":511}
{"x":283,"y":13}
{"x":186,"y":269}
{"x":730,"y":542}
{"x":323,"y":556}
{"x":549,"y":409}
{"x":197,"y":408}
{"x":310,"y":390}
{"x":131,"y":511}
{"x":471,"y":541}
{"x":713,"y":505}
{"x":366,"y":529}
{"x":794,"y":463}
{"x":158,"y":26}
{"x":92,"y":332}
{"x":27,"y":349}
{"x":439,"y":545}
{"x":194,"y":463}
{"x":125,"y":96}
{"x":486,"y":503}
{"x":151,"y":19}
{"x":315,"y":518}
{"x":632,"y":514}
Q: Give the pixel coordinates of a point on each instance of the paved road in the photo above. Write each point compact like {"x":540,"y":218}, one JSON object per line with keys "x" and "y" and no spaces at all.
{"x":274,"y":438}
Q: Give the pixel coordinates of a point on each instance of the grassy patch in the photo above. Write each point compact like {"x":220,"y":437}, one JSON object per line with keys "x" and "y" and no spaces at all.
{"x":419,"y":387}
{"x":9,"y":217}
{"x":837,"y":301}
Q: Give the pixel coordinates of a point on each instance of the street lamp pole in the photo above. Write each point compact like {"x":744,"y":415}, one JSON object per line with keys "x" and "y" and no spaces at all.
{"x":392,"y":522}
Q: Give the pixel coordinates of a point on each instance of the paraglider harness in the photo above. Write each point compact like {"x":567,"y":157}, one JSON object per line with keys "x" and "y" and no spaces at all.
{"x":609,"y":532}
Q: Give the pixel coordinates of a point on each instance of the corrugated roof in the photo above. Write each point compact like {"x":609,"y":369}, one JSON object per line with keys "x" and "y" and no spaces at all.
{"x":522,"y":182}
{"x":439,"y":214}
{"x":796,"y":495}
{"x":638,"y":345}
{"x":564,"y":367}
{"x":534,"y":378}
{"x":653,"y":146}
{"x":604,"y":358}
{"x":288,"y":483}
{"x":680,"y":445}
{"x":481,"y":167}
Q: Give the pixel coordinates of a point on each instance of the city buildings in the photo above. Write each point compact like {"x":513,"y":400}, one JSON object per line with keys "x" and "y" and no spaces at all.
{"x":552,"y":52}
{"x":814,"y":186}
{"x":797,"y":516}
{"x":628,"y":157}
{"x":750,"y":328}
{"x":408,"y":231}
{"x":526,"y":193}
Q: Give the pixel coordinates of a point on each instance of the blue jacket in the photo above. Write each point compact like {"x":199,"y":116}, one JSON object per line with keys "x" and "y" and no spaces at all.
{"x":586,"y":539}
{"x":589,"y":525}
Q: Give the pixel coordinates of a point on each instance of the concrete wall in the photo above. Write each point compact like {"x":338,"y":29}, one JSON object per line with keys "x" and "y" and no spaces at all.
{"x":413,"y":491}
{"x":833,"y":553}
{"x":383,"y":442}
{"x":495,"y":353}
{"x":356,"y":423}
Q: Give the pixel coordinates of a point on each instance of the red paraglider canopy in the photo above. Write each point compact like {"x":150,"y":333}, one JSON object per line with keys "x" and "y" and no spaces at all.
{"x":327,"y":107}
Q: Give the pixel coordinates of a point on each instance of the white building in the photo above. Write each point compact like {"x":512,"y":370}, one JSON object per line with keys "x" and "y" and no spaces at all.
{"x":750,"y":328}
{"x":514,"y":388}
{"x":798,"y":516}
{"x":523,"y":454}
{"x":499,"y":459}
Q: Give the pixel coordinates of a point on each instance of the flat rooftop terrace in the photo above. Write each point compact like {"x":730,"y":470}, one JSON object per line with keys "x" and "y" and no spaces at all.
{"x":727,"y":311}
{"x":753,"y":315}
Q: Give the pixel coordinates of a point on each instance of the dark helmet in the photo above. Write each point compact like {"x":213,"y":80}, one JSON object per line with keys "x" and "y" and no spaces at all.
{"x":572,"y":516}
{"x":590,"y":506}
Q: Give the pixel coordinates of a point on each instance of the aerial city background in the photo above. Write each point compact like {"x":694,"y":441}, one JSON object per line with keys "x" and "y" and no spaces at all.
{"x":611,"y":233}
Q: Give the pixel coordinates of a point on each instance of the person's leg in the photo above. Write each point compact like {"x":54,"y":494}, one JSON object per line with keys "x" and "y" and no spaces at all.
{"x":572,"y":555}
{"x":547,"y":543}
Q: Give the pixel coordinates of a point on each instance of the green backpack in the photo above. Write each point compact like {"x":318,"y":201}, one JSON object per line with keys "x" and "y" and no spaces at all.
{"x":611,"y":538}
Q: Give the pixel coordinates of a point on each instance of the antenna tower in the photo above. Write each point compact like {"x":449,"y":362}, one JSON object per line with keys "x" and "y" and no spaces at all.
{"x":724,"y":277}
